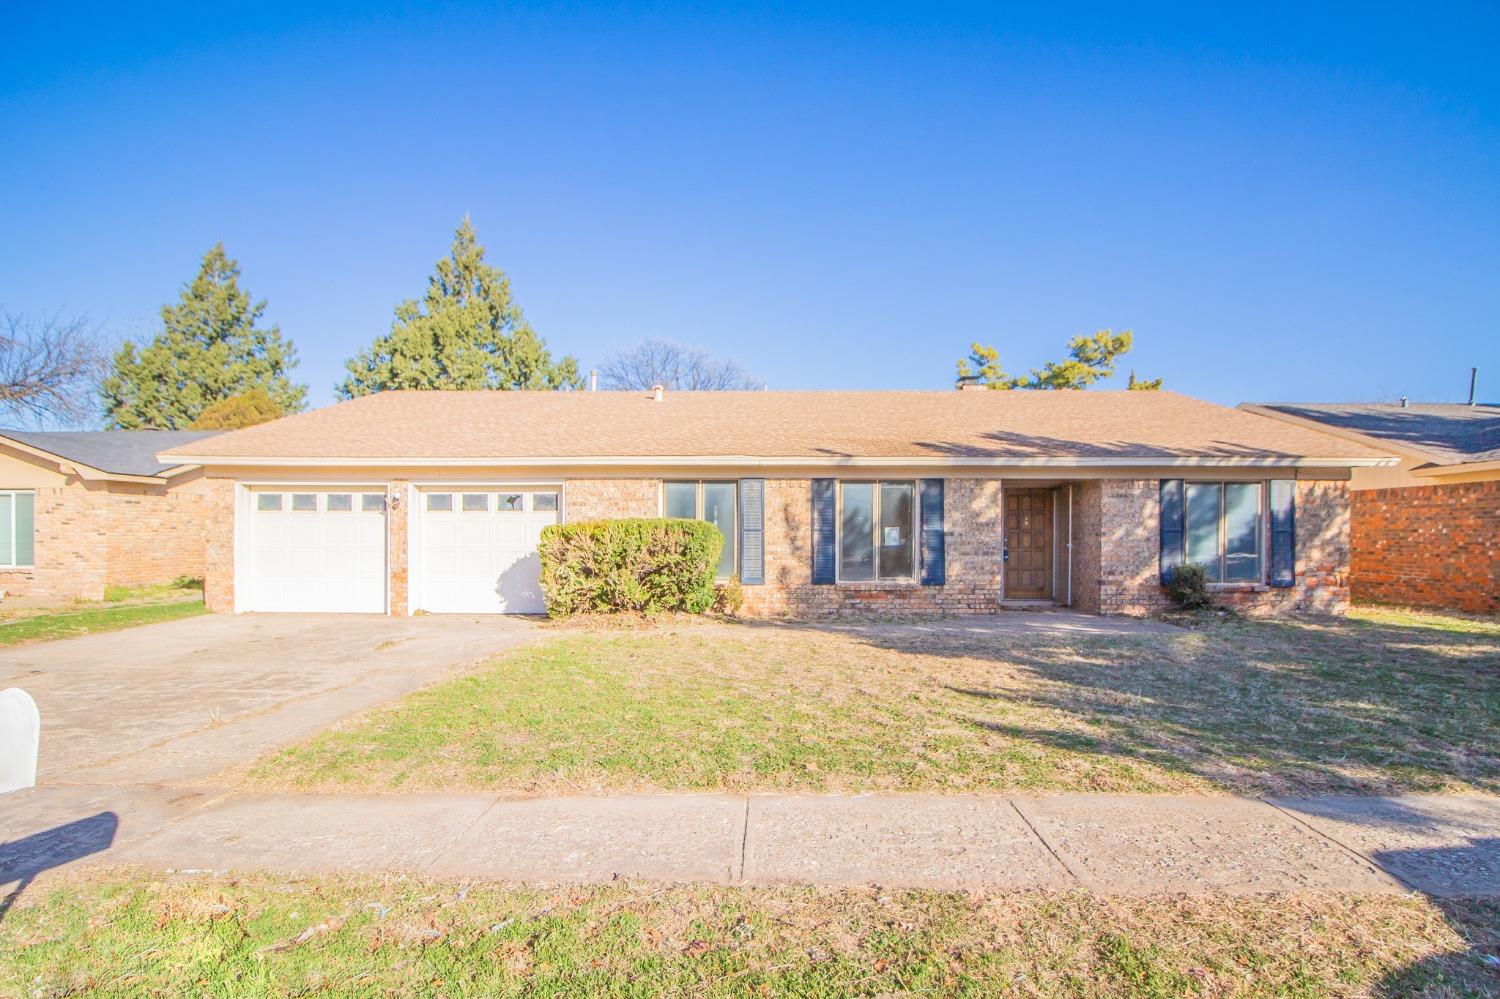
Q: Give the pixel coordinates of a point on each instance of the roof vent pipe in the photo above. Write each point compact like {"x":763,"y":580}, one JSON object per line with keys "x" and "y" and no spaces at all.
{"x":593,"y":381}
{"x":658,"y":392}
{"x":1473,"y":377}
{"x":1403,"y":402}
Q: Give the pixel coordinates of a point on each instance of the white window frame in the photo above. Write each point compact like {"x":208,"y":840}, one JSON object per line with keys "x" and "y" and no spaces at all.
{"x":661,"y":508}
{"x":1262,"y":532}
{"x":838,"y":532}
{"x":13,"y":564}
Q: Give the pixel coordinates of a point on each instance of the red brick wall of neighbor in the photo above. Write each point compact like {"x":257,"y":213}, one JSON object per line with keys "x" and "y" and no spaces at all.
{"x":1129,"y":553}
{"x":1429,"y":546}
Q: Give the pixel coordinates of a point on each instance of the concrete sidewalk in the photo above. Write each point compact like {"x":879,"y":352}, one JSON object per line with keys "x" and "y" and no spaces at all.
{"x":1129,"y":844}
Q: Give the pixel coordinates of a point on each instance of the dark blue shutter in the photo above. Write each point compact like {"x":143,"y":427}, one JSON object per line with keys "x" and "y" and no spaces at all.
{"x":932,"y":532}
{"x":1283,"y":532}
{"x":1173,"y":550}
{"x":824,"y":509}
{"x":752,"y":531}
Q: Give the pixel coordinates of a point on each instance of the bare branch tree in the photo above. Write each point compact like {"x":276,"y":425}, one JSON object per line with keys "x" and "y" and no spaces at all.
{"x":673,"y":365}
{"x":49,"y":370}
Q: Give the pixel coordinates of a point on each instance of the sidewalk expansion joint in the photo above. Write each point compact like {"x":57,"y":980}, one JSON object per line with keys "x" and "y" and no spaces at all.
{"x":1026,"y":820}
{"x":1340,"y":845}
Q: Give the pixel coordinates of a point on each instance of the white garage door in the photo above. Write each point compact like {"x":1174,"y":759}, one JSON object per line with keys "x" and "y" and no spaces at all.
{"x":477,"y":549}
{"x":317,"y":550}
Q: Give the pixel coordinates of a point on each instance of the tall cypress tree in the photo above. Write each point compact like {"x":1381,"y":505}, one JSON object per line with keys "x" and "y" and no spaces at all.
{"x":211,"y":347}
{"x":466,"y":333}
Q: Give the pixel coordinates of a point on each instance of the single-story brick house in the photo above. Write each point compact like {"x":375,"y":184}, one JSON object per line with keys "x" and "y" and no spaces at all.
{"x":406,"y":502}
{"x":82,"y":510}
{"x":1426,"y":531}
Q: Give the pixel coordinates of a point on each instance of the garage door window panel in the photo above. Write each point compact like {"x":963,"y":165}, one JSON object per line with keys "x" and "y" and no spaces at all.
{"x":268,"y":501}
{"x":476,"y":502}
{"x":439,"y":502}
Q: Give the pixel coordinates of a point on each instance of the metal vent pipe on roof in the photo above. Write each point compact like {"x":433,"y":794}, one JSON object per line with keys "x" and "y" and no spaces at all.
{"x":593,"y":381}
{"x":658,"y":392}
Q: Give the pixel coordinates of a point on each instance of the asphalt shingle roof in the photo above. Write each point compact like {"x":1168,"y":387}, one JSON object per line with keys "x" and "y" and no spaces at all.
{"x":1454,"y":433}
{"x":814,"y":425}
{"x":119,"y":452}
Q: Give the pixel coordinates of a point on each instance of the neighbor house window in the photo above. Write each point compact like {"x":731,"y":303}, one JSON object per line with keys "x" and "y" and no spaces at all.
{"x":876,"y":521}
{"x":1224,"y":529}
{"x":710,"y":501}
{"x":17,"y":529}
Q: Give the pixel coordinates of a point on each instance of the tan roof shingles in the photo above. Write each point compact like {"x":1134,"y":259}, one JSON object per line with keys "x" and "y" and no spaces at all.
{"x":562,"y":425}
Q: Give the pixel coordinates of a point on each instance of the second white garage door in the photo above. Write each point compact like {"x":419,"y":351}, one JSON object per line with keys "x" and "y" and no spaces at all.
{"x":476,"y":549}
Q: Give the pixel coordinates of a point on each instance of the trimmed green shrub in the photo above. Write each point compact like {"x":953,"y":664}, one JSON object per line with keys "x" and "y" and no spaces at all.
{"x":645,"y":566}
{"x":1188,"y":587}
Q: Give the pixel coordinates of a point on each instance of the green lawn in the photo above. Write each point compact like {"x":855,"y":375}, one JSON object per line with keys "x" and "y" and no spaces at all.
{"x":1381,"y":702}
{"x":258,"y":936}
{"x":68,"y":623}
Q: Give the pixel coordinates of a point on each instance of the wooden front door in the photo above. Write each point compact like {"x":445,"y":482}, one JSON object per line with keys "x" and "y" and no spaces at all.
{"x":1028,"y":537}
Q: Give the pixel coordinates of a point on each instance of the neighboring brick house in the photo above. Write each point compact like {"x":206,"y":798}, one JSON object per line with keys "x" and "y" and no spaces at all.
{"x":948,"y":502}
{"x":83,"y":510}
{"x":1426,"y":531}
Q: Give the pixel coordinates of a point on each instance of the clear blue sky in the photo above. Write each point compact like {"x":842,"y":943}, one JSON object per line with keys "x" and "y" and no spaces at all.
{"x":1282,"y":203}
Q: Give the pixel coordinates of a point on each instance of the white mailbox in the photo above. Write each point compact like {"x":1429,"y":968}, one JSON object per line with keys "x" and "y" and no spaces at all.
{"x":20,"y":739}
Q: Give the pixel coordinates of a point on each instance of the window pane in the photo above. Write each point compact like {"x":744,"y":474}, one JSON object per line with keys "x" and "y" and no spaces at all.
{"x":304,"y":502}
{"x":439,"y":502}
{"x":25,"y":528}
{"x":679,"y":499}
{"x":1242,"y":532}
{"x":544,"y":501}
{"x":1203,"y":526}
{"x":476,"y":502}
{"x":895,"y":530}
{"x":268,"y":501}
{"x":372,"y":502}
{"x":340,"y":502}
{"x":7,"y":546}
{"x":509,"y":501}
{"x":856,"y":541}
{"x":718,"y":510}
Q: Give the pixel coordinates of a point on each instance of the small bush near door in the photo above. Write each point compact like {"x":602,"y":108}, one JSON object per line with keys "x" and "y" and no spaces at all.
{"x":1188,"y":587}
{"x":644,"y":566}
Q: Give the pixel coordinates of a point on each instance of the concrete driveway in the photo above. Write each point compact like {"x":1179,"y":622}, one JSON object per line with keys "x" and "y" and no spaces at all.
{"x":177,"y":703}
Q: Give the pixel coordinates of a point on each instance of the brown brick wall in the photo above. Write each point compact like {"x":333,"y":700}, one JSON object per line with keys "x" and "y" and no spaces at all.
{"x":218,"y":551}
{"x":154,"y":537}
{"x":596,"y":499}
{"x":1129,"y":553}
{"x":1088,"y":512}
{"x":90,"y":535}
{"x":71,"y":543}
{"x":1429,"y":546}
{"x":397,"y":549}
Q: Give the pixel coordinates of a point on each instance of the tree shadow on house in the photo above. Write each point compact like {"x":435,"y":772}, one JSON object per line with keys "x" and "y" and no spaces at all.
{"x":23,"y":860}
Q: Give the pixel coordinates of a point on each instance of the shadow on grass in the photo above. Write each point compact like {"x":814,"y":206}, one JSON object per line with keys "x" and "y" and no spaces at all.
{"x":1306,"y":706}
{"x":23,"y":860}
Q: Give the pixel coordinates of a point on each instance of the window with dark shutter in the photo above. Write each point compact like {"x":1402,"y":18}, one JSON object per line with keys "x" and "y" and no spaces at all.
{"x":933,"y":570}
{"x":1173,"y":550}
{"x":752,"y":531}
{"x":824,"y":513}
{"x":1283,"y":532}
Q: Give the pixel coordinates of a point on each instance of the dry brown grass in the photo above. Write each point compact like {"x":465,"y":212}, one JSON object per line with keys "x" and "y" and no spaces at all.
{"x":1307,"y":706}
{"x":133,"y":934}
